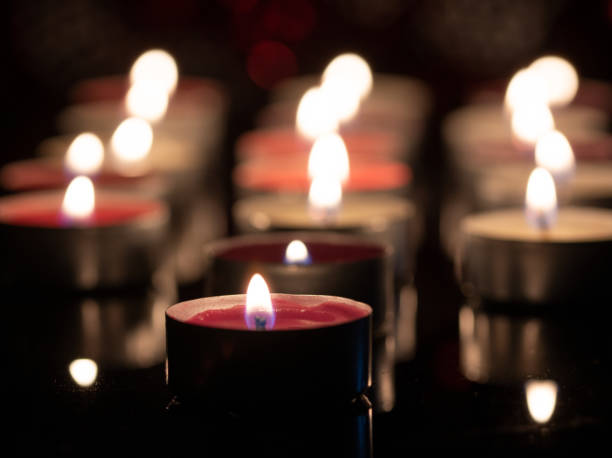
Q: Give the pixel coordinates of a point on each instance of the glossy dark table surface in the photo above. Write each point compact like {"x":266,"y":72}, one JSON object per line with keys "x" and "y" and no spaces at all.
{"x":461,"y":383}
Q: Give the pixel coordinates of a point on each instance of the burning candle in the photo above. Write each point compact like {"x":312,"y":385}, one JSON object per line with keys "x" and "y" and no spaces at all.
{"x":285,"y":144}
{"x":587,"y":183}
{"x":481,"y":134}
{"x":187,"y":107}
{"x":506,"y":257}
{"x":243,"y":351}
{"x":86,"y":240}
{"x":355,"y":98}
{"x":384,"y":218}
{"x":307,"y":263}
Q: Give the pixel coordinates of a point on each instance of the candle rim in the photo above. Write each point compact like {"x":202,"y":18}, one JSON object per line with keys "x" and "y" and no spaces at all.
{"x":12,"y":206}
{"x":220,"y":248}
{"x":475,"y":226}
{"x":185,"y":310}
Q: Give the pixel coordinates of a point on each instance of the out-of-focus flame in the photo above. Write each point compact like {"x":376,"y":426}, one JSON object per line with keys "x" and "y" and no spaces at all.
{"x":554,"y":153}
{"x":156,"y":67}
{"x":541,"y":199}
{"x":349,"y":73}
{"x":147,"y":100}
{"x":259,"y":314}
{"x":85,"y":155}
{"x":328,"y":156}
{"x":297,"y":253}
{"x":79,"y":200}
{"x":83,"y":371}
{"x":315,"y":114}
{"x":531,"y":121}
{"x":541,"y":399}
{"x":560,"y":77}
{"x":324,"y":197}
{"x":525,"y":88}
{"x":130,"y":144}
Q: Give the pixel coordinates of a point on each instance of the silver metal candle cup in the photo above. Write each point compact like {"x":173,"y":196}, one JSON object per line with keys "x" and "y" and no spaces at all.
{"x":339,"y":265}
{"x":82,"y":257}
{"x":244,"y":369}
{"x":539,"y":271}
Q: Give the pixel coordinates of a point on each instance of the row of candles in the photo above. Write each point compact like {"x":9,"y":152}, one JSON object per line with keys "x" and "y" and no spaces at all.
{"x":117,"y":235}
{"x":343,"y":167}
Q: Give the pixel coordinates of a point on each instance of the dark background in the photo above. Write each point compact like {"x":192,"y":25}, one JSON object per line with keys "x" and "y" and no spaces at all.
{"x":249,"y":45}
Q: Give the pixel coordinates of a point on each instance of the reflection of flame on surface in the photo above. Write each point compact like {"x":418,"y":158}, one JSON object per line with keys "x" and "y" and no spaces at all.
{"x":146,"y":100}
{"x":541,"y":199}
{"x":297,"y":253}
{"x":83,"y":371}
{"x":531,"y":121}
{"x":131,"y":143}
{"x":259,"y":314}
{"x":329,"y":157}
{"x":541,"y":399}
{"x":155,"y":67}
{"x":85,"y":155}
{"x":560,"y":78}
{"x":79,"y":200}
{"x":554,"y":153}
{"x":315,"y":115}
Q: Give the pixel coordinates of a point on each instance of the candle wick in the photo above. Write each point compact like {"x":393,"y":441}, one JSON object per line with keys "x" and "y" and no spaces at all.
{"x":260,"y":323}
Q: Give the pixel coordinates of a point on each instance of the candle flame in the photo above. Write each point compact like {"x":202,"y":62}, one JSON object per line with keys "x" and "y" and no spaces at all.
{"x":541,"y":199}
{"x":541,"y":399}
{"x":156,"y":67}
{"x":324,"y":197}
{"x":85,"y":155}
{"x":350,"y":74}
{"x":297,"y":253}
{"x":130,"y":144}
{"x":525,"y":88}
{"x":79,"y":200}
{"x":560,"y":77}
{"x":147,"y":100}
{"x":554,"y":153}
{"x":329,"y":156}
{"x":346,"y":81}
{"x":315,"y":114}
{"x":259,"y":313}
{"x":83,"y":371}
{"x":531,"y":121}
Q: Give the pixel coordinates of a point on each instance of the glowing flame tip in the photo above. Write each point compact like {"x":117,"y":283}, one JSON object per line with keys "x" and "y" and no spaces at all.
{"x":259,"y":314}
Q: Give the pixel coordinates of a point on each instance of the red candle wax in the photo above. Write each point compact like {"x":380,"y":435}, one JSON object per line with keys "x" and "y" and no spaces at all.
{"x":293,"y":176}
{"x":320,"y":252}
{"x":289,"y":315}
{"x":275,"y":144}
{"x":44,"y":210}
{"x":40,"y":174}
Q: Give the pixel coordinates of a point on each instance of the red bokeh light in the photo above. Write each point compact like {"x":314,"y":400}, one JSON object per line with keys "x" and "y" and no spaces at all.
{"x":269,"y":62}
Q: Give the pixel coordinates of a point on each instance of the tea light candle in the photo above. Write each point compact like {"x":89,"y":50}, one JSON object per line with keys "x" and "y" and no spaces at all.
{"x":506,"y":259}
{"x":307,"y":263}
{"x":590,"y":182}
{"x":255,"y":177}
{"x":274,"y":144}
{"x":248,"y":351}
{"x":86,"y":242}
{"x":384,"y":218}
{"x":195,"y":106}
